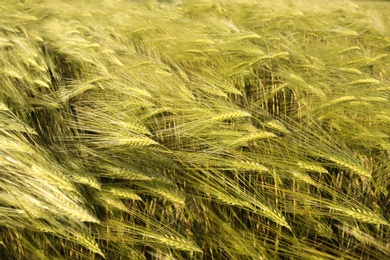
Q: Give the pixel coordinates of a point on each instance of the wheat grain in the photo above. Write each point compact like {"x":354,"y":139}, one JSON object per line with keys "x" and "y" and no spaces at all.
{"x":283,"y":54}
{"x":304,"y":177}
{"x":194,"y":51}
{"x":248,"y":36}
{"x":230,"y":115}
{"x":230,"y":89}
{"x":205,"y":41}
{"x":113,"y":203}
{"x":124,"y":193}
{"x":89,"y":243}
{"x":41,"y":83}
{"x":353,"y":48}
{"x":52,"y":176}
{"x":78,"y":90}
{"x":296,"y":78}
{"x":351,"y":70}
{"x":10,"y":145}
{"x":5,"y":42}
{"x":231,"y":200}
{"x":157,"y":111}
{"x":315,"y":90}
{"x":269,"y":212}
{"x":278,"y":126}
{"x":249,"y":166}
{"x":324,"y":230}
{"x":163,"y":72}
{"x":132,"y":141}
{"x":138,"y":128}
{"x":251,"y":137}
{"x":386,"y":88}
{"x":225,"y":133}
{"x":3,"y":107}
{"x":215,"y":91}
{"x":379,"y":57}
{"x":66,"y":206}
{"x":123,"y":173}
{"x":365,"y":238}
{"x":383,"y":117}
{"x":365,"y":81}
{"x":13,"y":73}
{"x":375,"y":99}
{"x":312,"y":167}
{"x":255,"y":51}
{"x":165,"y":192}
{"x":351,"y":166}
{"x":339,"y":100}
{"x":361,"y":215}
{"x":346,"y":32}
{"x":174,"y":242}
{"x":87,"y":180}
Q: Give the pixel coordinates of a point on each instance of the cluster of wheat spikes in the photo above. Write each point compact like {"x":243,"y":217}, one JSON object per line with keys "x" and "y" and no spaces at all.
{"x":193,"y":130}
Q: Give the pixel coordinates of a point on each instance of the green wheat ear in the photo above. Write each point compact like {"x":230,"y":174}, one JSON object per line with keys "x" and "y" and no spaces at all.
{"x":194,"y":129}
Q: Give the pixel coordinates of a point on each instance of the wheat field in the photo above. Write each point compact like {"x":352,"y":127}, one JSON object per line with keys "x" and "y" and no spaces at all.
{"x":194,"y":130}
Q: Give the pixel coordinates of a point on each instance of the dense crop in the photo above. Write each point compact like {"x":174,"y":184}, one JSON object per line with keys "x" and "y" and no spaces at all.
{"x":193,"y":130}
